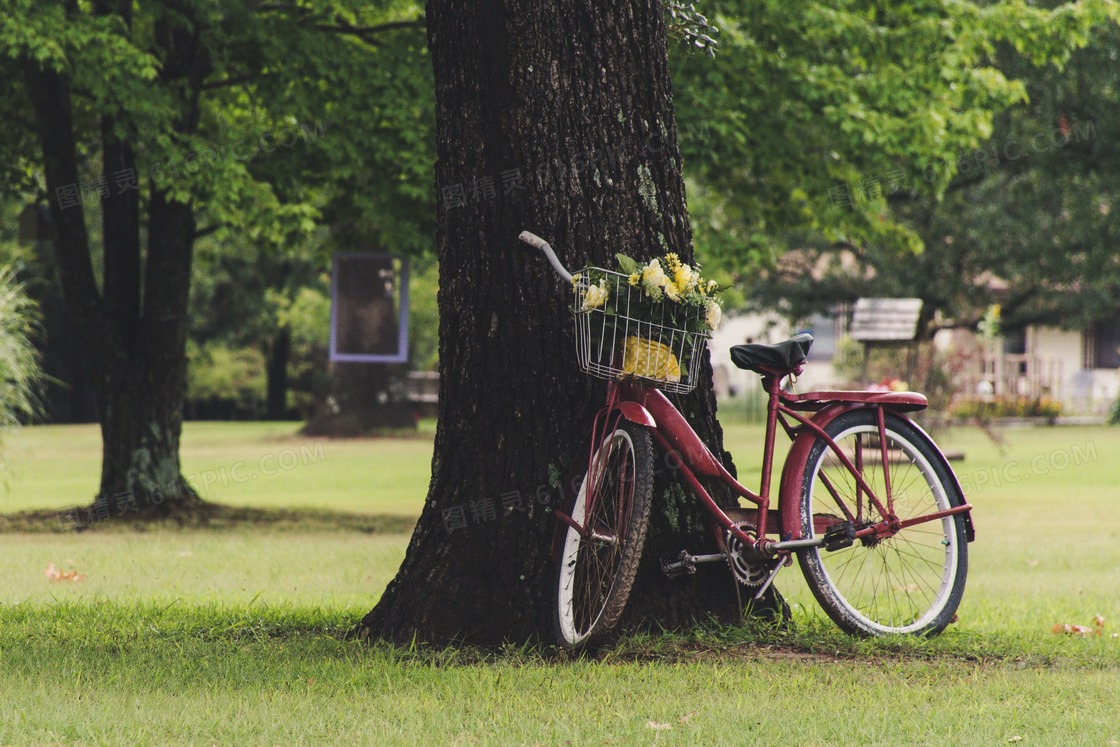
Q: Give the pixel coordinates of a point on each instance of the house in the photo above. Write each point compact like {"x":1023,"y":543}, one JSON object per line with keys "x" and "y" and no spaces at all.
{"x":1080,"y":369}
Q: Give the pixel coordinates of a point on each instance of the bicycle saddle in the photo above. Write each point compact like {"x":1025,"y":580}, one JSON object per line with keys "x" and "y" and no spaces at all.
{"x":781,"y":357}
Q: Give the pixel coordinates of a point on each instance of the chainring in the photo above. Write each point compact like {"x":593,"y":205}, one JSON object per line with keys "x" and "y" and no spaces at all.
{"x":739,"y":557}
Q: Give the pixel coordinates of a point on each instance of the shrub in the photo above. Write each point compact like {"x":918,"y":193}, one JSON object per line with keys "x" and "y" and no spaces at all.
{"x":1008,"y":407}
{"x":20,"y":370}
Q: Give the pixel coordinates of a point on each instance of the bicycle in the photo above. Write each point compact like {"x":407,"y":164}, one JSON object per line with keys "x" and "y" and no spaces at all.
{"x":867,"y":501}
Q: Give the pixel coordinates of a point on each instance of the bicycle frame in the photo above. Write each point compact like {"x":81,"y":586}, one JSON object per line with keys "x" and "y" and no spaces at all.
{"x":650,"y":408}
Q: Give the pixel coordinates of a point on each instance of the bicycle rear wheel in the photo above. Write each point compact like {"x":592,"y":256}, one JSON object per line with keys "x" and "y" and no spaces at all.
{"x":597,"y":568}
{"x":911,"y":582}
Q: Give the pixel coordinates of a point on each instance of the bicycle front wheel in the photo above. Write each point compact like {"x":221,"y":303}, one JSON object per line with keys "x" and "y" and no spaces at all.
{"x":911,"y":582}
{"x":597,"y":567}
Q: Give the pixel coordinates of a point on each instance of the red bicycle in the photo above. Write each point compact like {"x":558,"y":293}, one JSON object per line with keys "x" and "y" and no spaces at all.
{"x":867,"y":501}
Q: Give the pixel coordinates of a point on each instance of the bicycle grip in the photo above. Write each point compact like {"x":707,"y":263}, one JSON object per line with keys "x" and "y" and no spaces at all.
{"x":538,"y":243}
{"x":533,"y":240}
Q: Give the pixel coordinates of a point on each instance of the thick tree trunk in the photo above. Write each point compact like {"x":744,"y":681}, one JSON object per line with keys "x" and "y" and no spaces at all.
{"x":557,"y":118}
{"x":141,"y":380}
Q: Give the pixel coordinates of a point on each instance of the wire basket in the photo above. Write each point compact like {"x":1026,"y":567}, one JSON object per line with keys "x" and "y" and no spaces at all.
{"x":614,"y":342}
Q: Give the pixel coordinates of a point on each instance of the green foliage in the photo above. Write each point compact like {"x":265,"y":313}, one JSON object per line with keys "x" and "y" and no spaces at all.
{"x":216,"y":371}
{"x":908,"y":188}
{"x":815,"y":118}
{"x":423,"y":322}
{"x":299,"y":118}
{"x":20,"y":373}
{"x":691,"y":27}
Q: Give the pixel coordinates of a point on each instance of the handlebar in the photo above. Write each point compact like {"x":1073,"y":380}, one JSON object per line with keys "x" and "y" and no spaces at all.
{"x":538,"y":243}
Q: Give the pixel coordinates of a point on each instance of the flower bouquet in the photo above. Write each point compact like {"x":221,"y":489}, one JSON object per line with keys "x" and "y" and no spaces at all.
{"x":645,"y":321}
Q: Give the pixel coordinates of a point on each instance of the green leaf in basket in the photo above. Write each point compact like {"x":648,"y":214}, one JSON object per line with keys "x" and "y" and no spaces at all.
{"x":628,"y":265}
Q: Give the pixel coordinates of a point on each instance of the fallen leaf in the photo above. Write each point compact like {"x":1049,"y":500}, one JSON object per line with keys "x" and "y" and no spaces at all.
{"x":659,"y":727}
{"x":1098,"y":620}
{"x":1015,"y":738}
{"x":54,"y":574}
{"x":1071,"y":629}
{"x":1032,"y":563}
{"x":911,"y":589}
{"x":685,"y":718}
{"x":185,"y":553}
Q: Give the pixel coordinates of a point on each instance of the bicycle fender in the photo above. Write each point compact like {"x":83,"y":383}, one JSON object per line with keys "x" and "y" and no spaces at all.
{"x":636,"y":414}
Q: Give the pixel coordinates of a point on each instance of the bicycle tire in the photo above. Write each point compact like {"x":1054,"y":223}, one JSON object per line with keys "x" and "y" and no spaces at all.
{"x":911,"y":582}
{"x":594,"y":576}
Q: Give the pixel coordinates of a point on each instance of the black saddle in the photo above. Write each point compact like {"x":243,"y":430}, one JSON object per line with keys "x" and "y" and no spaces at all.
{"x":782,"y":357}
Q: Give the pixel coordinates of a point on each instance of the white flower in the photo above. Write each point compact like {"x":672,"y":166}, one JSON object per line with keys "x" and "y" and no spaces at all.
{"x":714,"y":314}
{"x":595,"y":296}
{"x":653,"y":275}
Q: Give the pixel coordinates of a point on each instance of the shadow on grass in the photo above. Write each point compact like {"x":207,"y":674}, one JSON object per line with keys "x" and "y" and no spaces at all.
{"x":217,"y":517}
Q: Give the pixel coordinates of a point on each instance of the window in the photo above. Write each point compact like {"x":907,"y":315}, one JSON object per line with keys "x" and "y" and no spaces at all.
{"x":1102,"y":344}
{"x":1015,"y":341}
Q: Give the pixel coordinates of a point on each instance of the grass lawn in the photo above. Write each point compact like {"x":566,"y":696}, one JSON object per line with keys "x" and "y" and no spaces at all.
{"x":264,"y":465}
{"x":236,"y":635}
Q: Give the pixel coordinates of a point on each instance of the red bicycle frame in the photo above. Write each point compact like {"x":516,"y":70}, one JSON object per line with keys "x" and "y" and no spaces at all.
{"x":650,"y":408}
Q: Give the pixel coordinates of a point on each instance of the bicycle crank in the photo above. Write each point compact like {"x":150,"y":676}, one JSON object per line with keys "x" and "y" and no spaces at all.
{"x":748,"y":565}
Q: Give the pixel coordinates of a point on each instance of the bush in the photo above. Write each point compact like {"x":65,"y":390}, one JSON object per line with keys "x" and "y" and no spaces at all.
{"x":217,"y":372}
{"x":1007,"y":407}
{"x":20,"y":370}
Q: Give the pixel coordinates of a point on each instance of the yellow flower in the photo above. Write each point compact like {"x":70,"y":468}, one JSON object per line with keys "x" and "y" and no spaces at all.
{"x":686,"y":278}
{"x":673,"y":260}
{"x":712,"y":286}
{"x":576,"y":278}
{"x":672,"y":291}
{"x":636,"y":279}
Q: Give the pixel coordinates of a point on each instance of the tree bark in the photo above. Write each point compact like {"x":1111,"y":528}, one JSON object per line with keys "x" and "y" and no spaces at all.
{"x":556,"y":118}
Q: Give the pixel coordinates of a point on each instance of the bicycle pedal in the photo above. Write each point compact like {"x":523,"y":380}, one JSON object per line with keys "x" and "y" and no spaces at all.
{"x":839,"y":535}
{"x":681,"y":565}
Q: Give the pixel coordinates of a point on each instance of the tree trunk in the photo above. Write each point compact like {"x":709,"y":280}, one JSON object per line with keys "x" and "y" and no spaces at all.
{"x":555,"y":118}
{"x":365,"y":398}
{"x":279,"y":352}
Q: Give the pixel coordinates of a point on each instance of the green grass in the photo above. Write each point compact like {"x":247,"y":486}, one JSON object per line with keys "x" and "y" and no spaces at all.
{"x":237,"y":634}
{"x":1047,"y":544}
{"x":264,"y":465}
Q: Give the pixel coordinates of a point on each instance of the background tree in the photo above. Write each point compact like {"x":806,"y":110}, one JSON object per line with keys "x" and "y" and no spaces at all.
{"x":895,"y":190}
{"x":174,"y":120}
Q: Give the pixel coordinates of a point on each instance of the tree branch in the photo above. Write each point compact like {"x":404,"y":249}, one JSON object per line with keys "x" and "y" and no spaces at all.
{"x":365,"y":32}
{"x":234,"y":81}
{"x":207,"y":230}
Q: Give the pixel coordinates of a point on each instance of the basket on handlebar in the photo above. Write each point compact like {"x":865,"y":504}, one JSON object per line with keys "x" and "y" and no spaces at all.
{"x":621,"y":333}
